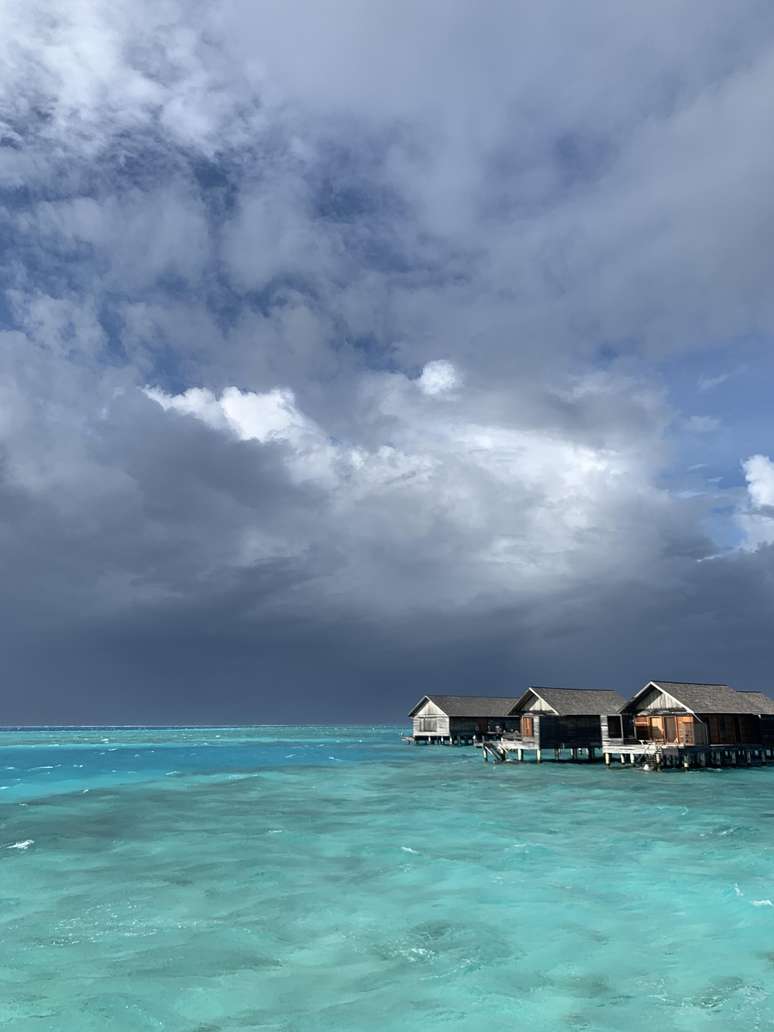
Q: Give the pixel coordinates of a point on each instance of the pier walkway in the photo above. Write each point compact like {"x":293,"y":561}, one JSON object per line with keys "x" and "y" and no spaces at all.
{"x":653,"y":755}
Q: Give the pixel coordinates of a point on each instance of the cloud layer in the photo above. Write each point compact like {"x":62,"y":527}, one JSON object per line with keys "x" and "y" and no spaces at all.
{"x":353,"y":350}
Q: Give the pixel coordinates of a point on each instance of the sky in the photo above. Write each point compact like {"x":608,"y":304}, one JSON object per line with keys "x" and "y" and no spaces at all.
{"x":351,"y":351}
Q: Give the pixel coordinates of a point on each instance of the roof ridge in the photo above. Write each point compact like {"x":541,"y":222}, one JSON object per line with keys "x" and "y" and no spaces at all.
{"x":444,"y":695}
{"x":553,"y":688}
{"x":709,"y":684}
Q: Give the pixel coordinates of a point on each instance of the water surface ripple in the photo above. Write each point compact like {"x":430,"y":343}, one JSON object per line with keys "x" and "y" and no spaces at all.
{"x":318,"y":878}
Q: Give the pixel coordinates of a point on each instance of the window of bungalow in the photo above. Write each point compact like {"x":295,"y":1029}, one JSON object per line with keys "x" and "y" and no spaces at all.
{"x":723,"y":729}
{"x":651,"y":728}
{"x":685,"y":731}
{"x":614,"y":727}
{"x":642,"y":727}
{"x":657,"y":729}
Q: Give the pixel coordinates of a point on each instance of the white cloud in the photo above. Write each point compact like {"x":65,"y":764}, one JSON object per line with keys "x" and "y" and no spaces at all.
{"x":755,"y":522}
{"x":196,"y":401}
{"x":708,"y":383}
{"x":759,"y":472}
{"x":491,"y":509}
{"x":272,"y":416}
{"x":438,"y":378}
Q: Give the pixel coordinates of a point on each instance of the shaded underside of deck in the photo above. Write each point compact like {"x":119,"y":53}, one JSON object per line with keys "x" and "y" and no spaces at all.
{"x":650,"y":753}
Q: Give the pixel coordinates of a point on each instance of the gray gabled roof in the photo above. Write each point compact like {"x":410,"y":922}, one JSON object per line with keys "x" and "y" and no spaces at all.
{"x":704,"y":698}
{"x":577,"y":702}
{"x":763,"y":703}
{"x":469,"y":705}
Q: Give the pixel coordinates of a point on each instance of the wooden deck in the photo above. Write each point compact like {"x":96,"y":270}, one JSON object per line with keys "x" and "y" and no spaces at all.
{"x":680,"y":755}
{"x":656,"y":756}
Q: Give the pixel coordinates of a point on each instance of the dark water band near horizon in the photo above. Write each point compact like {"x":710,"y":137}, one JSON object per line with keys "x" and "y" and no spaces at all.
{"x":333,"y":878}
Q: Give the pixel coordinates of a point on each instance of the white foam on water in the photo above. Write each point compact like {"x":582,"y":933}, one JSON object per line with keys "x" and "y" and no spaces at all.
{"x":762,"y":903}
{"x":24,"y":844}
{"x":408,"y":849}
{"x":275,"y":831}
{"x":421,"y":952}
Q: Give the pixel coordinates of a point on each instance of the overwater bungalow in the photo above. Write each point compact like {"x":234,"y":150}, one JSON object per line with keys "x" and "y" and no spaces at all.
{"x":560,"y":719}
{"x":765,"y":705}
{"x":457,"y":719}
{"x":687,"y":722}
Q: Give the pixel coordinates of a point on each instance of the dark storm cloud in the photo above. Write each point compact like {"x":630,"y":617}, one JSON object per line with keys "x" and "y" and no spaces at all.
{"x":342,"y":349}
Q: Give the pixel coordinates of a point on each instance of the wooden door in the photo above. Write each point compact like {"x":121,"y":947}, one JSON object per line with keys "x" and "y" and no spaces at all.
{"x":685,"y":731}
{"x":657,"y":729}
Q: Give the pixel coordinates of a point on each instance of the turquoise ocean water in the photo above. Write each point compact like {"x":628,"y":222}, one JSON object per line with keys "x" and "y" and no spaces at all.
{"x":305,"y":878}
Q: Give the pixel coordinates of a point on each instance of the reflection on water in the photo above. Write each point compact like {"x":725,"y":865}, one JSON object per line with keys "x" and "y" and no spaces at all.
{"x":321,"y":878}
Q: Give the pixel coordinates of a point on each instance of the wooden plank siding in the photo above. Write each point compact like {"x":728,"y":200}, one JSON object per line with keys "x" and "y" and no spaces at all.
{"x":431,"y":722}
{"x":767,"y":729}
{"x":569,"y":732}
{"x":550,"y":731}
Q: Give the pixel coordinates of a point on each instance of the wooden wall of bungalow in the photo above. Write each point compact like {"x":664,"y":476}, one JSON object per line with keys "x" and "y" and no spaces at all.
{"x":766,"y":705}
{"x":541,"y":728}
{"x":767,"y":729}
{"x":430,"y":721}
{"x":546,"y":726}
{"x":658,"y":715}
{"x":616,"y":729}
